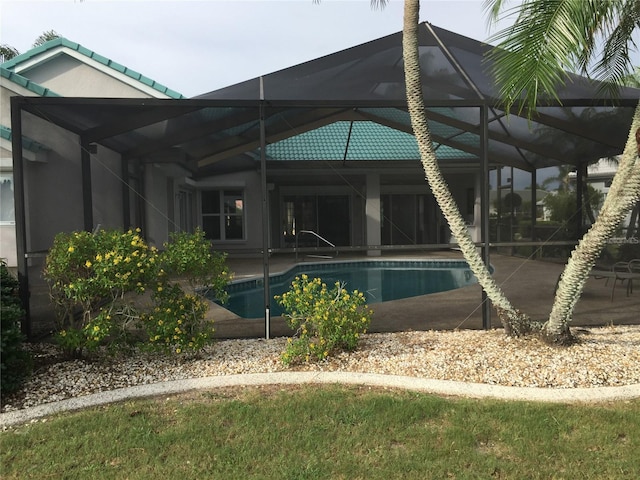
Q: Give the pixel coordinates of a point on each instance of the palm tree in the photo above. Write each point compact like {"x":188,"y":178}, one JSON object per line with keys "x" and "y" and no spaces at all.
{"x":45,"y":37}
{"x":7,"y":52}
{"x":514,"y":321}
{"x":548,"y":38}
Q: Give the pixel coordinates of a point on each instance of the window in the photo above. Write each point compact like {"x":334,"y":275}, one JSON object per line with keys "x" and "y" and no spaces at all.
{"x":223,"y":214}
{"x":7,"y":214}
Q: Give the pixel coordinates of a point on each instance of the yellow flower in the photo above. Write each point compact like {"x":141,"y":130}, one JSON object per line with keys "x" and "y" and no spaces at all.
{"x":178,"y":350}
{"x":88,"y":264}
{"x":71,"y":249}
{"x":159,"y":289}
{"x":96,"y":328}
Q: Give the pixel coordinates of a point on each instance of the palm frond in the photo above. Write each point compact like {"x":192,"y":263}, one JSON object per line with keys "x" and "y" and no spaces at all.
{"x":615,"y":63}
{"x":534,"y":53}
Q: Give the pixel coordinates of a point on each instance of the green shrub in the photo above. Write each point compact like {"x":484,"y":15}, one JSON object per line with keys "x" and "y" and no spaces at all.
{"x":325,"y":321}
{"x":94,"y":278}
{"x":15,"y":362}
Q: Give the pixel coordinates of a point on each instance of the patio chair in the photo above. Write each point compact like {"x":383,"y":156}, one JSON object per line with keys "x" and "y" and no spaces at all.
{"x":622,"y":273}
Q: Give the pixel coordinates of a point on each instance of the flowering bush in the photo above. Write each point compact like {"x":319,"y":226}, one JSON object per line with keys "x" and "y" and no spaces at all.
{"x":89,"y":275}
{"x":188,"y":257}
{"x":177,"y":322}
{"x":324,"y":320}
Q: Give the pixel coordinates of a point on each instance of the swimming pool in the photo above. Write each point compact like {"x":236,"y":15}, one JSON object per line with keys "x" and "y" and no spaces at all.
{"x":379,"y":280}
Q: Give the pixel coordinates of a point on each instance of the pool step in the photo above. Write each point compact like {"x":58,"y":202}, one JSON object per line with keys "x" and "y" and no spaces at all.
{"x":328,"y":257}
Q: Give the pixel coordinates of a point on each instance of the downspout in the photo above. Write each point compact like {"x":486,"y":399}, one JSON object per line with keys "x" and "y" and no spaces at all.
{"x":265,"y":216}
{"x":20,"y":210}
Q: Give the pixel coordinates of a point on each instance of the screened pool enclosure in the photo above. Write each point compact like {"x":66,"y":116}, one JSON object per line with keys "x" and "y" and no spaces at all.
{"x":324,"y":146}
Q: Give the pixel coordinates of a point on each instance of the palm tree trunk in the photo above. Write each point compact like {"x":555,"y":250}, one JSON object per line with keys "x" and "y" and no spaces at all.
{"x":623,"y":194}
{"x":515,"y":322}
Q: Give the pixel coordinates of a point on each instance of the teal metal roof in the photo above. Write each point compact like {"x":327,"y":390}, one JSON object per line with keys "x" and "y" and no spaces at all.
{"x":27,"y":143}
{"x":353,"y":141}
{"x":26,"y":83}
{"x":58,"y":42}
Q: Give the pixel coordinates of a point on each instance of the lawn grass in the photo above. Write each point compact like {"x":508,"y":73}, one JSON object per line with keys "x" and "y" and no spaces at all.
{"x":314,"y":432}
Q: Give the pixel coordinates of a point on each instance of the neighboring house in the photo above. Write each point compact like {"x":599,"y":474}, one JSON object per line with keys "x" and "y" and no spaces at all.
{"x":59,"y":68}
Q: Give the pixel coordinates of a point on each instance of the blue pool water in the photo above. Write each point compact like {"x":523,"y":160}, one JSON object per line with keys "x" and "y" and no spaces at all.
{"x":380,"y":281}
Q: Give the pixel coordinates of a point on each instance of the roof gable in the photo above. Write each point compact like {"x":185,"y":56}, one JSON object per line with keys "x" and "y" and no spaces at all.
{"x":26,"y":83}
{"x":59,"y":46}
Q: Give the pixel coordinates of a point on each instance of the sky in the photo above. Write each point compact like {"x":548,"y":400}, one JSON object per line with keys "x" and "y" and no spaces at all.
{"x":195,"y":47}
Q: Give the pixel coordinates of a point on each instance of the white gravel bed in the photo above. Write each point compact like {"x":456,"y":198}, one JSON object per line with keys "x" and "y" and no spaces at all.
{"x":607,"y":356}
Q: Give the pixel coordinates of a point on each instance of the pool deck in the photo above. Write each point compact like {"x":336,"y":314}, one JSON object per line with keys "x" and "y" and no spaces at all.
{"x":529,"y":284}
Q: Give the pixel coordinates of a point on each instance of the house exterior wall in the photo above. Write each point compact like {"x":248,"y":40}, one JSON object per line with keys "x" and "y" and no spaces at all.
{"x":106,"y":187}
{"x":58,"y":181}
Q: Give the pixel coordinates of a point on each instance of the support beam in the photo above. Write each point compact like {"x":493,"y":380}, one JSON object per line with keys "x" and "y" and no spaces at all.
{"x":87,"y":194}
{"x":581,"y":173}
{"x":265,"y":216}
{"x":20,"y":210}
{"x":372,"y":213}
{"x":534,"y":201}
{"x":484,"y":192}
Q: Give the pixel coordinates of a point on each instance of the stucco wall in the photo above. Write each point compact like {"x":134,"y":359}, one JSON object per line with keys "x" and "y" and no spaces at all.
{"x":106,"y":186}
{"x":53,"y":189}
{"x":70,"y":77}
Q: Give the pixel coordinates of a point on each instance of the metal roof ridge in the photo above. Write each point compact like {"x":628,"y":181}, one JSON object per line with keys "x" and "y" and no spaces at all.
{"x":63,"y":42}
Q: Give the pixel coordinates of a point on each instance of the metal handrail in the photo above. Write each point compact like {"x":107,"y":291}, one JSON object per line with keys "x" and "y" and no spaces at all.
{"x":319,"y":237}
